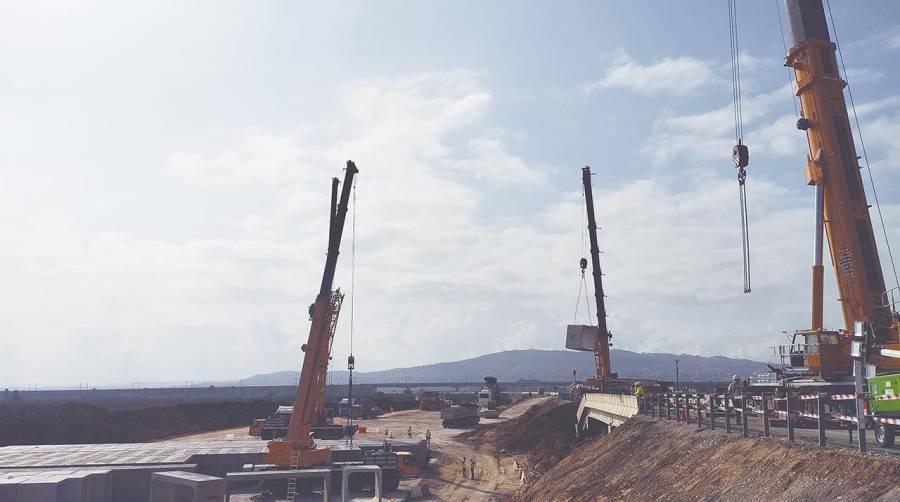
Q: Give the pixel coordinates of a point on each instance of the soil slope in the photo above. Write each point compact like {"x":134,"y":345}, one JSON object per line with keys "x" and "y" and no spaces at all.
{"x":544,"y":434}
{"x":653,"y":460}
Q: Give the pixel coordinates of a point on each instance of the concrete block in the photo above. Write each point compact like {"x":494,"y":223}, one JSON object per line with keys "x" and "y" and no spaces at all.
{"x":175,"y":486}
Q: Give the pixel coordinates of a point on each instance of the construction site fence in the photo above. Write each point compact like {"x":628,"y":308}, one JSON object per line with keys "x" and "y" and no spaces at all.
{"x":732,"y":411}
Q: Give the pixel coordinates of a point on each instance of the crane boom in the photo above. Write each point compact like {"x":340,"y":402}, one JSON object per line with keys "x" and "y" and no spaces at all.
{"x":601,"y":349}
{"x":298,"y":449}
{"x":841,"y":206}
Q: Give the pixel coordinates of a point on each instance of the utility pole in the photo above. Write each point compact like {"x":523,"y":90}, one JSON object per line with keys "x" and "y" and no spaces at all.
{"x":676,"y":375}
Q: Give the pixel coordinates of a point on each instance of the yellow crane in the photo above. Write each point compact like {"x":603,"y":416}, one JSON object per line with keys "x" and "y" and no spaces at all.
{"x":842,"y":211}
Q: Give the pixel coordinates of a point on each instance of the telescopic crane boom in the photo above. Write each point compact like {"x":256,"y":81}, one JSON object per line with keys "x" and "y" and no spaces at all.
{"x":601,"y":349}
{"x":842,"y":211}
{"x":299,"y":449}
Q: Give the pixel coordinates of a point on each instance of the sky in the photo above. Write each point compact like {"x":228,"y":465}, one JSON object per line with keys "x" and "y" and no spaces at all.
{"x":165,"y":171}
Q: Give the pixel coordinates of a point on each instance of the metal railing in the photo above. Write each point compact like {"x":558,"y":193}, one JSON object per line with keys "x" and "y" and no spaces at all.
{"x":714,"y":411}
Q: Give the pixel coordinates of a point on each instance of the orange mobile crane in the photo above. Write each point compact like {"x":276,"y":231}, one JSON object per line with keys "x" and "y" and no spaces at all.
{"x":298,"y":448}
{"x":842,"y":214}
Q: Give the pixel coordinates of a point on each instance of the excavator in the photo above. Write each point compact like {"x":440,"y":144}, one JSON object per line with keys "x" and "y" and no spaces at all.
{"x":820,"y":359}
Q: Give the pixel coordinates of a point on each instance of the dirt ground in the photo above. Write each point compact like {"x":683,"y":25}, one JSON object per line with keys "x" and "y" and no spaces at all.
{"x":496,"y":473}
{"x":647,"y":459}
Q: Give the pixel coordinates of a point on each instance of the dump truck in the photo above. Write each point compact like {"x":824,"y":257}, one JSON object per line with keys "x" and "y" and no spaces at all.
{"x":465,"y":415}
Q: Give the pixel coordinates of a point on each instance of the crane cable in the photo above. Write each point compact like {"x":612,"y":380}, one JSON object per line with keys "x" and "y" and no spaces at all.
{"x":351,"y":361}
{"x":583,"y":285}
{"x":352,"y":262}
{"x":740,"y":154}
{"x":862,"y":145}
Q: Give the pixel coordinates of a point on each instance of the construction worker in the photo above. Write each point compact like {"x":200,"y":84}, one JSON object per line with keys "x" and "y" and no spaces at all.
{"x":464,"y":466}
{"x":472,"y":467}
{"x":736,"y":388}
{"x":427,"y":437}
{"x":638,"y":389}
{"x":409,"y":432}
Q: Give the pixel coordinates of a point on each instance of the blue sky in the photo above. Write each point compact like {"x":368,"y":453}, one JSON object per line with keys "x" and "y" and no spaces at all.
{"x":164,"y":178}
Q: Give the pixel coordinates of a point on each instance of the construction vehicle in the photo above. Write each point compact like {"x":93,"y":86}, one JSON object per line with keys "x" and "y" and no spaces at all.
{"x":463,"y":415}
{"x":489,"y":398}
{"x":298,"y":448}
{"x":595,"y":339}
{"x":276,"y":425}
{"x":884,"y":403}
{"x":819,"y":356}
{"x":429,"y":400}
{"x":363,"y":410}
{"x":256,"y":427}
{"x":837,"y":361}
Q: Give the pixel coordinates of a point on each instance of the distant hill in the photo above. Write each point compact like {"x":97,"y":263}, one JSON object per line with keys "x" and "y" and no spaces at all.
{"x":546,"y":365}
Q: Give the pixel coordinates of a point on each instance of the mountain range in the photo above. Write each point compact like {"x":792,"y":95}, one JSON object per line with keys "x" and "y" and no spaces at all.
{"x":544,"y":365}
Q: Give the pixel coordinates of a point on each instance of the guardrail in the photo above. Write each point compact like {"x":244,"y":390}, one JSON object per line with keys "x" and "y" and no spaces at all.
{"x":707,"y":410}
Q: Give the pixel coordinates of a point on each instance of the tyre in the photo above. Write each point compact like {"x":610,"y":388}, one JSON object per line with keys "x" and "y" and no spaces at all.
{"x":884,"y":435}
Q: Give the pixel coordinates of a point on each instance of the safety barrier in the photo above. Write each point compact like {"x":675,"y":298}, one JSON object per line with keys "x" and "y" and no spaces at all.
{"x":706,"y":409}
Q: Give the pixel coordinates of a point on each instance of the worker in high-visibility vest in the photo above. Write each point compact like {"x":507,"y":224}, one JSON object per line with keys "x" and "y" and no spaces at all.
{"x":638,"y":389}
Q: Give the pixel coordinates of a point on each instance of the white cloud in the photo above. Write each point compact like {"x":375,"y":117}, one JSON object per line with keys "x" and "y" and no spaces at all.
{"x":491,"y":161}
{"x":671,"y":75}
{"x":709,"y":136}
{"x":439,"y":276}
{"x":881,"y":142}
{"x":780,"y":137}
{"x":877,"y":106}
{"x":860,"y":76}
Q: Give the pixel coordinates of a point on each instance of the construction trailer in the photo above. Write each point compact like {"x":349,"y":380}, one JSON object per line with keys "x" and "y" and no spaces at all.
{"x":837,"y":361}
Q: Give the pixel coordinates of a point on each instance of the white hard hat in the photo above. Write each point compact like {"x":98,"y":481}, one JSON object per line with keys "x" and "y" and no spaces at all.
{"x":735,"y":377}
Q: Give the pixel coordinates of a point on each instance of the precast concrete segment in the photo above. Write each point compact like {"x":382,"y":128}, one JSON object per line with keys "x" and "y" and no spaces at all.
{"x":611,"y":409}
{"x":165,"y":452}
{"x":170,"y":487}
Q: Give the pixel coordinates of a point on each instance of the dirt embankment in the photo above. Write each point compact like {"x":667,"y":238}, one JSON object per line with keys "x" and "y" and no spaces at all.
{"x":89,"y":423}
{"x":544,"y":434}
{"x":661,"y":461}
